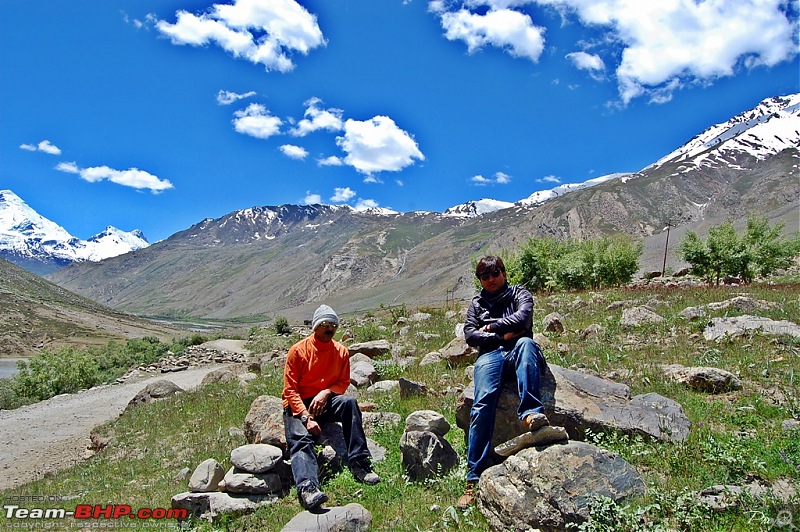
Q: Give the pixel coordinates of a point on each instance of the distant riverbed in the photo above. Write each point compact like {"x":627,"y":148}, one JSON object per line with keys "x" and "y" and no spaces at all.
{"x":8,"y":367}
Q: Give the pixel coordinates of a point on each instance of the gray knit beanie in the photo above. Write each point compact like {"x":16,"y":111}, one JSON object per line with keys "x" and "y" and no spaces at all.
{"x":324,"y":313}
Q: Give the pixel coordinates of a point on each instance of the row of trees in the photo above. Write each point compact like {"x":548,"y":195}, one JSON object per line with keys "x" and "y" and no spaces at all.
{"x":547,"y":264}
{"x":759,"y":251}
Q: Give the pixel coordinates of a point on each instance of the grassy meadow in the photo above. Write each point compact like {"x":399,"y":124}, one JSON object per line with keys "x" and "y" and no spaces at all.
{"x":736,"y":437}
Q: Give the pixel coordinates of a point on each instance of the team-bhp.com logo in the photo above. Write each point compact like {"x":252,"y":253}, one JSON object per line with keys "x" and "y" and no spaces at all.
{"x":93,"y":511}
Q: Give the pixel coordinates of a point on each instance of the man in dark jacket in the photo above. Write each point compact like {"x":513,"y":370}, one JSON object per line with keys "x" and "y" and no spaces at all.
{"x":499,"y":325}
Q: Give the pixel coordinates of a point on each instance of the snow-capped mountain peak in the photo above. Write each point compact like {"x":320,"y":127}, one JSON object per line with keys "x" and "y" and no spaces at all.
{"x":25,"y":235}
{"x":471,"y":209}
{"x":770,"y":127}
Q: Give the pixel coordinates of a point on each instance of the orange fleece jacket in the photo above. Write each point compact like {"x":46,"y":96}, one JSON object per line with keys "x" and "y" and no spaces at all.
{"x":313,"y":366}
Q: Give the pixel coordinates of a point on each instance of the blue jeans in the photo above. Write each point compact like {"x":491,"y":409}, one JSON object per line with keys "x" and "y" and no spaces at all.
{"x":526,"y":361}
{"x":342,"y":408}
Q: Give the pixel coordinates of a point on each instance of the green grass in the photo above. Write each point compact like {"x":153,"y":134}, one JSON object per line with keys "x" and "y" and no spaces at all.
{"x":735,"y":438}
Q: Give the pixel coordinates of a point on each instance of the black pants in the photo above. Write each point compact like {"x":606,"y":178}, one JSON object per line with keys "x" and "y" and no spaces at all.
{"x":341,"y":408}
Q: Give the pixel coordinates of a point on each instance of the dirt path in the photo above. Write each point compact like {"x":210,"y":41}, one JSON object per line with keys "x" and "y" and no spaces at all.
{"x":53,"y":434}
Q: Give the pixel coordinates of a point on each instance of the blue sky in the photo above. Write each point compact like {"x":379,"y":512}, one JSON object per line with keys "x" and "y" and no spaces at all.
{"x":155,"y":115}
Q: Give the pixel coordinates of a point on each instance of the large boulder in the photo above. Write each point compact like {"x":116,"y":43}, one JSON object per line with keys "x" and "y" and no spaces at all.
{"x":581,"y":401}
{"x":550,"y":488}
{"x":350,"y":518}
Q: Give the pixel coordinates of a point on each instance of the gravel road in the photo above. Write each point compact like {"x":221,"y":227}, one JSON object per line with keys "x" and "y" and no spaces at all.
{"x":51,"y":435}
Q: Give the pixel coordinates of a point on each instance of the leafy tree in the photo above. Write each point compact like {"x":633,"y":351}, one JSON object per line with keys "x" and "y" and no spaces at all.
{"x":759,"y":251}
{"x":547,"y":264}
{"x":49,"y":374}
{"x":282,"y":325}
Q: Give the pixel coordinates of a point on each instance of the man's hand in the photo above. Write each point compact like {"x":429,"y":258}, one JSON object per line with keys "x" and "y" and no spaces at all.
{"x":511,"y":335}
{"x":318,"y":403}
{"x":313,"y":427}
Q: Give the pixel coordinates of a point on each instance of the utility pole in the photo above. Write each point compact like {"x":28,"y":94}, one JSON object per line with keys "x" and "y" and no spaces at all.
{"x":666,"y":244}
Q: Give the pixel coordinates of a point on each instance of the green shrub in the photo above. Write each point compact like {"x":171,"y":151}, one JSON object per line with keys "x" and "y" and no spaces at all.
{"x":282,"y":325}
{"x":547,"y":264}
{"x":759,"y":251}
{"x":49,"y":374}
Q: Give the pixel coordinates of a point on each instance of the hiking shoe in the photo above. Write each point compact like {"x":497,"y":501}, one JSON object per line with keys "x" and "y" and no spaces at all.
{"x":468,"y":499}
{"x":535,"y":421}
{"x":312,"y":498}
{"x":362,"y":472}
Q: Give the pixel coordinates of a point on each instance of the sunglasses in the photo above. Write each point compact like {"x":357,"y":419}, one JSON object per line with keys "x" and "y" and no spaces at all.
{"x":494,"y":274}
{"x":329,"y":325}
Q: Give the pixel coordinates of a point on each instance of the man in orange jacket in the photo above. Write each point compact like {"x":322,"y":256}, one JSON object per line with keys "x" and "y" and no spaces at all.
{"x":315,"y":380}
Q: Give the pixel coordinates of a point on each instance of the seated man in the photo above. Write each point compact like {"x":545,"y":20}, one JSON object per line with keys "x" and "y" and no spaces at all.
{"x":499,"y":325}
{"x":316,"y":376}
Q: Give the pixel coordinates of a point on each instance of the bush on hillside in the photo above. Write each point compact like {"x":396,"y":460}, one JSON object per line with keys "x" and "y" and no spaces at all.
{"x":547,"y":264}
{"x":48,"y":374}
{"x":759,"y":251}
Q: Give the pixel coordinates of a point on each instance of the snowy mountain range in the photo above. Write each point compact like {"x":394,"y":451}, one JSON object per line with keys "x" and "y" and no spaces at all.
{"x":26,"y":238}
{"x":771,"y":127}
{"x":767,"y":129}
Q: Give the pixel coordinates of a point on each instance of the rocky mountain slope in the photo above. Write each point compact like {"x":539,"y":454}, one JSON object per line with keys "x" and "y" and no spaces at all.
{"x":285,"y":260}
{"x":30,"y":240}
{"x":36,"y":314}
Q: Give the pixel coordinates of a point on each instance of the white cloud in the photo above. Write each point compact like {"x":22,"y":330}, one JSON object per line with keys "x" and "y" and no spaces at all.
{"x":256,"y":121}
{"x":312,"y":199}
{"x":377,"y":145}
{"x":503,"y":28}
{"x":45,"y":146}
{"x":294,"y":152}
{"x":364,"y":204}
{"x":343,"y":195}
{"x":228,"y":97}
{"x":667,"y":44}
{"x":549,"y":179}
{"x":132,"y":177}
{"x":658,"y":46}
{"x":499,"y":178}
{"x":330,"y":161}
{"x":263,"y":32}
{"x":585,"y":61}
{"x":316,"y":118}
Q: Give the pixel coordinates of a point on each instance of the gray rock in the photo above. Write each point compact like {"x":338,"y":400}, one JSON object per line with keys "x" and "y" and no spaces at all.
{"x":410,"y":388}
{"x":373,"y":349}
{"x":552,"y":488}
{"x":581,"y":401}
{"x":256,"y":457}
{"x":210,"y":505}
{"x":384,"y":386}
{"x":692,"y":313}
{"x":426,"y":454}
{"x":554,"y":323}
{"x":458,"y":352}
{"x":221,"y":375}
{"x":595,"y":330}
{"x":427,"y":420}
{"x":264,"y":422}
{"x":638,"y":316}
{"x":362,"y":374}
{"x":350,"y":518}
{"x":431,"y":358}
{"x":742,"y":304}
{"x":155,"y":390}
{"x":789,"y":425}
{"x":732,"y":327}
{"x":704,"y":379}
{"x":206,"y":476}
{"x":238,"y":481}
{"x":547,"y":435}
